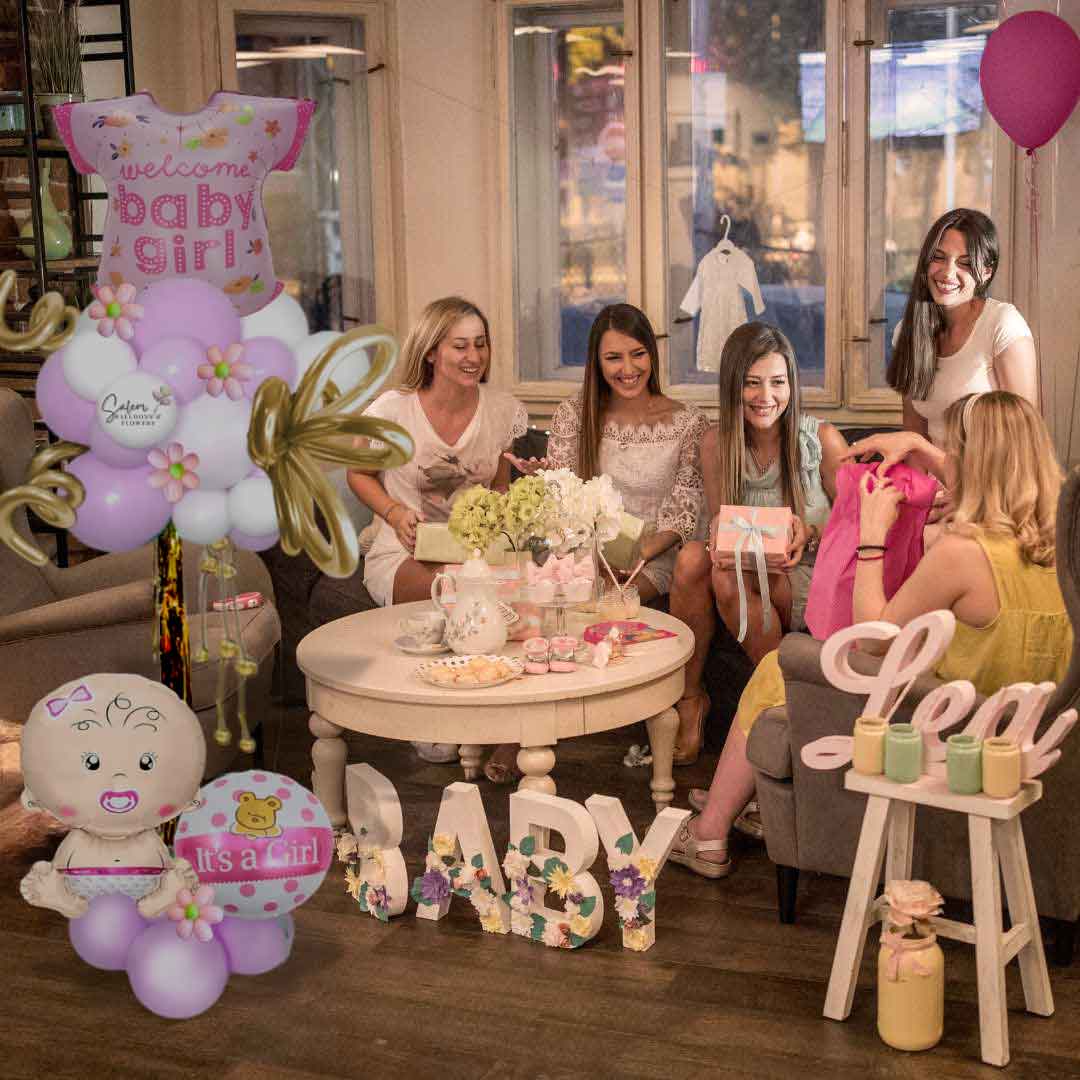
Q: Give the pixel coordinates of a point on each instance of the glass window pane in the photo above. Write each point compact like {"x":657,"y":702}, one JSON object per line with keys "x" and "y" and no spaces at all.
{"x":569,"y":162}
{"x":319,"y":214}
{"x":931,"y":144}
{"x":745,"y":139}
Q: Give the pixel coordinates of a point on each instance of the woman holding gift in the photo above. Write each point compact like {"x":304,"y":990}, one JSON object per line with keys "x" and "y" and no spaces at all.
{"x":993,"y":568}
{"x":764,"y":452}
{"x":623,"y":425}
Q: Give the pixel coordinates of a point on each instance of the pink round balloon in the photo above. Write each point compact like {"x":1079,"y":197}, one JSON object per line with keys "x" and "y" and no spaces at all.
{"x":269,"y":357}
{"x":255,"y":946}
{"x":103,"y":936}
{"x":177,"y":361}
{"x":1030,"y":76}
{"x":112,"y":453}
{"x":176,"y":977}
{"x":122,"y":511}
{"x":68,"y":415}
{"x":185,"y":307}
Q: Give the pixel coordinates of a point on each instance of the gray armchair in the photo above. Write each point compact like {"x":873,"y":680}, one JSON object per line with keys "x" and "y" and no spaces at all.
{"x":812,"y":823}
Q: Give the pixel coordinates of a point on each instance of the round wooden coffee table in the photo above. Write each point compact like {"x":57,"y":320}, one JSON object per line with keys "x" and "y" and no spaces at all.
{"x":357,"y":680}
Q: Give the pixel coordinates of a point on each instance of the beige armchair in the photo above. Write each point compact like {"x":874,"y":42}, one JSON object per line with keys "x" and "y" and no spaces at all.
{"x":58,"y":624}
{"x":812,"y":823}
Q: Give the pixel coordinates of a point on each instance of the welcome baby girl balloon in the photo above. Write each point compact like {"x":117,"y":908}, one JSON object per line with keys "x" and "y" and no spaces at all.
{"x":185,"y":190}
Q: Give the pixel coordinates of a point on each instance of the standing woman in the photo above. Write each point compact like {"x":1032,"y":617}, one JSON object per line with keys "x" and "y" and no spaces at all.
{"x":623,"y":425}
{"x":954,"y":339}
{"x":764,"y":452}
{"x":461,"y":428}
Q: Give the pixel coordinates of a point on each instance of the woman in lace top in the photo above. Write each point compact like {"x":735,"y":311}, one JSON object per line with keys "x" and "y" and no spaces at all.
{"x":622,"y":424}
{"x":764,"y":452}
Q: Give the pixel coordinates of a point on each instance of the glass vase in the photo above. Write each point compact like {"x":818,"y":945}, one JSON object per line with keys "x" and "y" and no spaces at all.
{"x":963,"y":764}
{"x":1000,"y":768}
{"x":903,"y":753}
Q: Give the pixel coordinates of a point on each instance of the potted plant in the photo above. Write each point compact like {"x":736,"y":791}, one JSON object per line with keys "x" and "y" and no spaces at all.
{"x":56,"y":56}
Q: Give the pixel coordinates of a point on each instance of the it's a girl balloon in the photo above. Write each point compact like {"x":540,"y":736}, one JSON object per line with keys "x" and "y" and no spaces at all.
{"x":185,"y":190}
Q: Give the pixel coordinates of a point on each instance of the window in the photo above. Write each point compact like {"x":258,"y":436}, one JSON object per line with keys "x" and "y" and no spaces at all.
{"x":782,"y":160}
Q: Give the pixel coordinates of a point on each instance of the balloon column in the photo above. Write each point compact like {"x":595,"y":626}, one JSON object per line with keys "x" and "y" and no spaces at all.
{"x":253,"y":846}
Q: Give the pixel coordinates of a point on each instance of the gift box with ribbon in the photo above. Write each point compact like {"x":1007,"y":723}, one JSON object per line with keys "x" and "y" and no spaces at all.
{"x":757,"y":538}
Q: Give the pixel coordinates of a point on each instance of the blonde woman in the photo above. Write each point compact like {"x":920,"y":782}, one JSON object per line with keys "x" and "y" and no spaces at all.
{"x":993,"y":568}
{"x":764,"y":452}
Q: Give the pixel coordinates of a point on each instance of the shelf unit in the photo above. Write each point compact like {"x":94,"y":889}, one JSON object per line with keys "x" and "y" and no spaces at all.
{"x":72,"y":276}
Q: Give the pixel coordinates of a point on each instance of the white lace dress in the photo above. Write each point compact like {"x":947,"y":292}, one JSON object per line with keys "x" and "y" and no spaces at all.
{"x":656,"y":469}
{"x":429,"y":483}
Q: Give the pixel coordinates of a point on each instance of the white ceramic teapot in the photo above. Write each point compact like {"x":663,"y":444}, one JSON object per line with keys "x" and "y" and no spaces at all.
{"x":476,"y":623}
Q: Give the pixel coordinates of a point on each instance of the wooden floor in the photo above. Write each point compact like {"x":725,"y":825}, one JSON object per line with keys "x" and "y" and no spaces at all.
{"x":726,"y":990}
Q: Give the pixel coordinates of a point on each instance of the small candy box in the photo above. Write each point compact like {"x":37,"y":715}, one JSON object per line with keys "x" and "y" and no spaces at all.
{"x":537,"y":653}
{"x":742,"y":532}
{"x":562,"y":654}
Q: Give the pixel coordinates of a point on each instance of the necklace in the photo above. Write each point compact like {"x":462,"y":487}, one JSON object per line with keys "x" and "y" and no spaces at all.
{"x":762,"y":469}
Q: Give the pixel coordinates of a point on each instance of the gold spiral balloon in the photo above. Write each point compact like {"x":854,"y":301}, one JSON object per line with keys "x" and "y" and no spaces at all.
{"x":290,"y":439}
{"x":52,"y":321}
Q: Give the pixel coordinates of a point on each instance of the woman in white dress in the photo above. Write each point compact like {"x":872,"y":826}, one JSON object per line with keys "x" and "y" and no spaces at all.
{"x":461,"y":429}
{"x":623,"y":425}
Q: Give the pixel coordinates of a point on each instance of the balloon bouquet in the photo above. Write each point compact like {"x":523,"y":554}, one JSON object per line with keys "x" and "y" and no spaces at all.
{"x":191,"y":403}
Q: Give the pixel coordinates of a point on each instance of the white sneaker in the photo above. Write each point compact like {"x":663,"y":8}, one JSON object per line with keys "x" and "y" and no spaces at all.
{"x":439,"y":753}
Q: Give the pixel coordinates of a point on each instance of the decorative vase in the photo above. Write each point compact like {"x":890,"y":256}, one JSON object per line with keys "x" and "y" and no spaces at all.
{"x":1000,"y":768}
{"x":57,"y":236}
{"x":903,"y":754}
{"x":869,"y":755}
{"x":45,"y":102}
{"x":963,"y":764}
{"x":911,"y":991}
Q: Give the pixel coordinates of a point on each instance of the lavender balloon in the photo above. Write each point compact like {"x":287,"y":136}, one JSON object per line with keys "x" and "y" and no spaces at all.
{"x":176,"y":977}
{"x":177,"y":361}
{"x":253,"y":543}
{"x":104,"y":935}
{"x":269,"y":357}
{"x":255,"y":946}
{"x":122,"y":511}
{"x":185,"y":307}
{"x":111,"y":453}
{"x":68,"y":415}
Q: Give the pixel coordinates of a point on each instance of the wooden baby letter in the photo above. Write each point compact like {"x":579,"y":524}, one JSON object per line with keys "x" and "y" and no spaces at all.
{"x":379,"y":879}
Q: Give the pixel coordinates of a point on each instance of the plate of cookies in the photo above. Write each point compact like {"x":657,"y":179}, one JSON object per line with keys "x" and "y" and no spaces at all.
{"x":470,"y":672}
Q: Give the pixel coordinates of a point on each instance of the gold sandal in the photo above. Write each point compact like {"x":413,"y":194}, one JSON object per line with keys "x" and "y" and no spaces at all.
{"x":687,"y":848}
{"x":687,"y":755}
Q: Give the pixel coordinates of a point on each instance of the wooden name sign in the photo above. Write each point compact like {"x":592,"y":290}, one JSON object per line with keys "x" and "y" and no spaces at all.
{"x":914,"y":651}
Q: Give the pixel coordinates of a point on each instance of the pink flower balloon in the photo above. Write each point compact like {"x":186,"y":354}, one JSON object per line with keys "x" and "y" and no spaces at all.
{"x":1030,"y":76}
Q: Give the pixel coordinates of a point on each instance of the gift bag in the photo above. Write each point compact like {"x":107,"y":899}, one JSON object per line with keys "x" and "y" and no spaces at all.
{"x":829,"y":602}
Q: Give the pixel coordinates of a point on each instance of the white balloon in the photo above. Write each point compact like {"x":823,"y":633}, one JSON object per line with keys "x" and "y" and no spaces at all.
{"x":202,"y":516}
{"x":91,"y":362}
{"x":283,"y":318}
{"x":137,"y":410}
{"x":84,"y":324}
{"x":346,"y":369}
{"x":251,"y":507}
{"x":216,"y":429}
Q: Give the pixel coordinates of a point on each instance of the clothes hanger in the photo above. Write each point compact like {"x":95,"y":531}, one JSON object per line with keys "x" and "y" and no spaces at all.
{"x":725,"y":224}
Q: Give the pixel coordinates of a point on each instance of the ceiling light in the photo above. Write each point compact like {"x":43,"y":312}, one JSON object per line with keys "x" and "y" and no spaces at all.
{"x":519,"y":30}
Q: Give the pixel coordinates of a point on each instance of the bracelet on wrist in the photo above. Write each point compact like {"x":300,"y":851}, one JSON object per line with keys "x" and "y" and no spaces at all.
{"x":388,"y":511}
{"x":870,"y":558}
{"x":870,"y":547}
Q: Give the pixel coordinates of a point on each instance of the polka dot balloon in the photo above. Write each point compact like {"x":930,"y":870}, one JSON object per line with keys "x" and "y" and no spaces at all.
{"x":260,"y":839}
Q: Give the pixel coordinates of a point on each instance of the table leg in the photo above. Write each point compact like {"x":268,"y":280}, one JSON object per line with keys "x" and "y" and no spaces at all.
{"x":472,"y":758}
{"x":986,"y":900}
{"x":663,"y":729}
{"x":328,"y":754}
{"x":536,"y":763}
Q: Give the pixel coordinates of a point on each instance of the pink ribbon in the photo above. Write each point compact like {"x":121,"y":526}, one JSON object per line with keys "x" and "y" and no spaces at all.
{"x":228,"y":857}
{"x":57,"y":705}
{"x":898,"y":946}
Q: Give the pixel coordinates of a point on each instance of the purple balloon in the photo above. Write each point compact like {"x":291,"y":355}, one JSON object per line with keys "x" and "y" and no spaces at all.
{"x":177,"y":361}
{"x":185,"y":307}
{"x":255,"y":946}
{"x":112,"y":453}
{"x":253,"y":543}
{"x":176,"y":977}
{"x":122,"y":511}
{"x":68,"y":415}
{"x":268,"y":357}
{"x":103,"y":936}
{"x":1030,"y":76}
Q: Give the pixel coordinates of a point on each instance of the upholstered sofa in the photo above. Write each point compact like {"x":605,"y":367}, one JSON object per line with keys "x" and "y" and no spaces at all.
{"x":56,"y":624}
{"x":812,"y":823}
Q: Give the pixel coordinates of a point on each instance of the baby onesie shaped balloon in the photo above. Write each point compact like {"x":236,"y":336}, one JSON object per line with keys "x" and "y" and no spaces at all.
{"x":185,"y":190}
{"x":113,"y":756}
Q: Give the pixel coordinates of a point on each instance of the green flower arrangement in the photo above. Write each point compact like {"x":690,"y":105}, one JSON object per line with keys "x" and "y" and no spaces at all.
{"x":477,"y":518}
{"x":525,"y":508}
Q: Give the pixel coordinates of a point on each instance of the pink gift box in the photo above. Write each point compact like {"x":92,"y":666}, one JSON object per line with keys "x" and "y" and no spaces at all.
{"x":731,"y":526}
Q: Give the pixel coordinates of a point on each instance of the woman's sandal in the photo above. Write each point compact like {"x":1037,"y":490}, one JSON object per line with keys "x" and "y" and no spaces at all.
{"x":748,"y":822}
{"x":688,"y":755}
{"x":687,"y":851}
{"x":499,"y":772}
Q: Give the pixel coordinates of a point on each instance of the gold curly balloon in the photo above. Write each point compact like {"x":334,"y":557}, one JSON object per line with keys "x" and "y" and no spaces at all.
{"x":52,"y":321}
{"x":288,"y":438}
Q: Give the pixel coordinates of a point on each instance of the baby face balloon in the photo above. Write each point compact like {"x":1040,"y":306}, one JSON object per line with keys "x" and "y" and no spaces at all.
{"x":185,"y":190}
{"x":112,"y":754}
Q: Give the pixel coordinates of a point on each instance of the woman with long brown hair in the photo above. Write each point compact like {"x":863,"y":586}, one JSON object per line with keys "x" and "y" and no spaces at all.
{"x":763,"y":452}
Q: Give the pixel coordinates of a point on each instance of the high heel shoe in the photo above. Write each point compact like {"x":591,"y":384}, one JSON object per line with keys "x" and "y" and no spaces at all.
{"x":687,"y":753}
